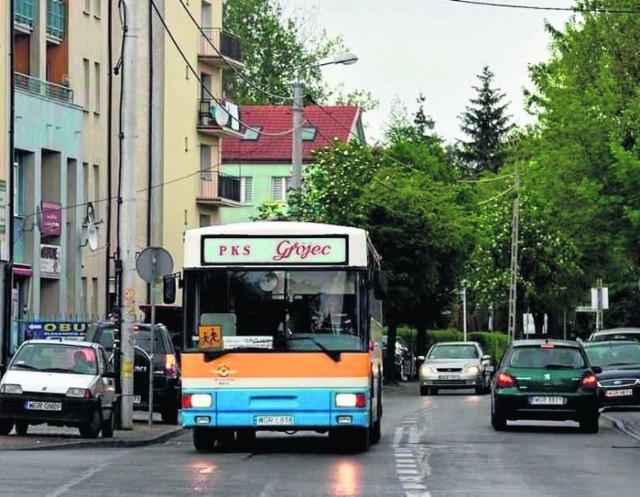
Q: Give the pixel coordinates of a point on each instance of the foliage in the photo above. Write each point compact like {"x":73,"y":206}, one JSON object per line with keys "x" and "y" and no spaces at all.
{"x":487,"y":125}
{"x":273,"y":46}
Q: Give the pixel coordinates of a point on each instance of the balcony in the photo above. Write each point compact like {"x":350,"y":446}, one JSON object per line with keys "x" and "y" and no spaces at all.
{"x":219,"y":118}
{"x":219,"y":190}
{"x":43,"y":88}
{"x":220,"y":49}
{"x":56,"y":17}
{"x":23,"y":15}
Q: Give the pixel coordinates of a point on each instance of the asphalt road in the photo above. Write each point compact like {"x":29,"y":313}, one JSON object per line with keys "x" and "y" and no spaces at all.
{"x":431,"y":446}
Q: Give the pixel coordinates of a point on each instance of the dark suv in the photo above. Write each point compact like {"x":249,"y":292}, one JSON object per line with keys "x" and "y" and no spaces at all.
{"x":166,"y":371}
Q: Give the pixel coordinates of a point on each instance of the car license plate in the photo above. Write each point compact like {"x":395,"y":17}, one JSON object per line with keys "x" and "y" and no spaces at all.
{"x":448,"y":377}
{"x":136,"y":400}
{"x":33,"y":405}
{"x":546,"y":401}
{"x":618,"y":393}
{"x":274,"y":420}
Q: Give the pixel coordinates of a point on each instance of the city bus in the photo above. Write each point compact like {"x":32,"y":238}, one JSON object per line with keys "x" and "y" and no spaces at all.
{"x":282,"y":332}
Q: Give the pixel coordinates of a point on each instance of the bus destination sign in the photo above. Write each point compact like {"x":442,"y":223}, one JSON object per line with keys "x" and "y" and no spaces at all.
{"x":312,"y":250}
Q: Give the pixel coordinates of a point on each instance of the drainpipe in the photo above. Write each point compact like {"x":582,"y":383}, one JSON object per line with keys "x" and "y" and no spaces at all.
{"x":108,"y":255}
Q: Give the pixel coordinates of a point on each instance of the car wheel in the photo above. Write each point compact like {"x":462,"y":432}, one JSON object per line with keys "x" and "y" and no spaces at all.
{"x":204,"y":439}
{"x":424,"y":390}
{"x":108,"y":425}
{"x":169,"y":415}
{"x":590,"y":424}
{"x":6,"y":425}
{"x":93,"y":427}
{"x":22,"y":427}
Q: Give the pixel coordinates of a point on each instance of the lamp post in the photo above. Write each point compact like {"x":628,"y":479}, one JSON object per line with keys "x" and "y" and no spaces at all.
{"x":346,"y":58}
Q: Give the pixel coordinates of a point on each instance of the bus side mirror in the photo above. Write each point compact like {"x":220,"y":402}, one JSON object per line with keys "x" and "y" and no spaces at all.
{"x":380,"y":287}
{"x":169,"y":289}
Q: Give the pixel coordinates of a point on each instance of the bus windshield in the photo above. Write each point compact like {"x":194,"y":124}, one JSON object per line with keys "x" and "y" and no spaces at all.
{"x":301,"y":310}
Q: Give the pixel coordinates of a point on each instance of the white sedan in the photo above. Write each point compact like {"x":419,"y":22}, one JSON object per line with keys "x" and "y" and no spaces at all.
{"x":60,"y":384}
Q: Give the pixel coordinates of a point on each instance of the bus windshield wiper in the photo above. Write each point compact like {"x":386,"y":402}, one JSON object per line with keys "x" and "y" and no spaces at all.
{"x":335,"y":355}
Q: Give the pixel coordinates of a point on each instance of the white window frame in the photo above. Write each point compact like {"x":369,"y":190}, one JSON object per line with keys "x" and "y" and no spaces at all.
{"x":246,"y":189}
{"x":281,"y":183}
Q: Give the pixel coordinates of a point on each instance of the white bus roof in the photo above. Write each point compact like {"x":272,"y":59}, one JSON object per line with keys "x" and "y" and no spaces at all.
{"x":356,"y":247}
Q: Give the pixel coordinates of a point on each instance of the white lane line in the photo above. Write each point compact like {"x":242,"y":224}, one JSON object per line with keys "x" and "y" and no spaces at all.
{"x":62,"y":489}
{"x":397,"y":436}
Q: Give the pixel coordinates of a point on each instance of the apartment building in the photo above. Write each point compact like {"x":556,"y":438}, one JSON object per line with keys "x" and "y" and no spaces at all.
{"x":261,"y":157}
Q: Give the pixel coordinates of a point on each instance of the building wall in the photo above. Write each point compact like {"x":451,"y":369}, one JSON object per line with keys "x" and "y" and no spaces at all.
{"x":5,"y":159}
{"x":261,"y":175}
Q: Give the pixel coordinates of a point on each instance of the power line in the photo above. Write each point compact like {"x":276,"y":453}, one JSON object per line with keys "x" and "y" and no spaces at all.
{"x":577,"y":10}
{"x":195,"y":73}
{"x":231,"y":66}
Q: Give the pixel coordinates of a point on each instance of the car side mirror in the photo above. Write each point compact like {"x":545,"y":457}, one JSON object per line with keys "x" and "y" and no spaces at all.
{"x":169,"y":289}
{"x":421,"y":358}
{"x":486,"y":357}
{"x":596,"y":369}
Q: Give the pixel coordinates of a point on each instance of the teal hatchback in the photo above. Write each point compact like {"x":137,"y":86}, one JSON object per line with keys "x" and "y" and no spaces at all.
{"x":545,"y":380}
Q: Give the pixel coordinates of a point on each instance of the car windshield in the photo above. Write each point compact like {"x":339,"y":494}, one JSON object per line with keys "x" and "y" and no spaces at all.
{"x":454,"y":352}
{"x":616,"y":336}
{"x":536,"y":357}
{"x":608,"y":354}
{"x":55,"y":358}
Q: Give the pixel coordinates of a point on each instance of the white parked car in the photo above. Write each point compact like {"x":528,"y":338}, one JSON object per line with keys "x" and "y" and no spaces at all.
{"x":455,"y":365}
{"x":60,"y":384}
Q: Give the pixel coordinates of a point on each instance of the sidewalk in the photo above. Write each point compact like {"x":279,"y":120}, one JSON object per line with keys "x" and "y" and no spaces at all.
{"x":626,"y":421}
{"x":42,"y":437}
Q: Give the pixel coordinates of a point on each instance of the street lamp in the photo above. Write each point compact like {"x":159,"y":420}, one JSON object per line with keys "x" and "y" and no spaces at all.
{"x":346,"y":58}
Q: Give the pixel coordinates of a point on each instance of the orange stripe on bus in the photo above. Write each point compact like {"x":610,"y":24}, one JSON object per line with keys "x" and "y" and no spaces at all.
{"x":286,"y":365}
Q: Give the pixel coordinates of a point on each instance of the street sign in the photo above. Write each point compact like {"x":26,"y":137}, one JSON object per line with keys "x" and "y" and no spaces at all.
{"x":528,"y":325}
{"x":153,"y":263}
{"x":57,"y":330}
{"x":586,"y":308}
{"x":601,"y":296}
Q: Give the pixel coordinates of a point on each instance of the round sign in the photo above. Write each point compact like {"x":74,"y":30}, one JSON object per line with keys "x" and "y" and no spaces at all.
{"x":153,"y":263}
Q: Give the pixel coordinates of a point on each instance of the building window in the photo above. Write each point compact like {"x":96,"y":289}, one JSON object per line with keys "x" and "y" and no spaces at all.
{"x":246,"y":189}
{"x":84,"y":301}
{"x":205,"y":220}
{"x":205,"y":162}
{"x":252,"y":133}
{"x":85,"y":182}
{"x":308,"y":134}
{"x":94,"y":296}
{"x":96,"y":67}
{"x":279,"y":187}
{"x":87,"y":87}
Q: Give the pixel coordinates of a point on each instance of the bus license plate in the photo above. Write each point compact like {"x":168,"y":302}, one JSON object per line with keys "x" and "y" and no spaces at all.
{"x":546,"y":401}
{"x":274,"y":420}
{"x":32,"y":405}
{"x":618,"y":393}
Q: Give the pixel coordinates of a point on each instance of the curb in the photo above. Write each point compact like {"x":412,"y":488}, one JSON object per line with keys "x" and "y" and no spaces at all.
{"x":619,"y":425}
{"x":107,"y":442}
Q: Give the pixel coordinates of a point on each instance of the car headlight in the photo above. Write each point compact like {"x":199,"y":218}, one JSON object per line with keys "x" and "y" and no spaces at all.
{"x":82,"y":393}
{"x":472,"y":369}
{"x":11,"y":388}
{"x":427,"y":370}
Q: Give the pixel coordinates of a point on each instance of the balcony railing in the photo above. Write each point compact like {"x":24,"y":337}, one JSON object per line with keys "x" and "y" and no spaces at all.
{"x":55,"y":19}
{"x":23,"y":12}
{"x":224,"y":45}
{"x":43,"y":88}
{"x":219,"y":189}
{"x":219,"y":118}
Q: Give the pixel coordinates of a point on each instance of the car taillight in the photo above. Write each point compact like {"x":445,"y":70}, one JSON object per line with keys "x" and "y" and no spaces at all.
{"x":170,"y":366}
{"x":505,"y":380}
{"x":186,"y":401}
{"x":589,"y":381}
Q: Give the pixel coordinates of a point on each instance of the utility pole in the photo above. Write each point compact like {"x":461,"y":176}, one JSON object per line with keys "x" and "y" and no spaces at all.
{"x":513,"y":273}
{"x":133,"y":93}
{"x":464,"y":313}
{"x":296,"y":147}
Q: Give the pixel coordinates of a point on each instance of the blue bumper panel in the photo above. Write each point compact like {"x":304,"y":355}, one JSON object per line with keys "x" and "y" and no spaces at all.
{"x":309,"y":408}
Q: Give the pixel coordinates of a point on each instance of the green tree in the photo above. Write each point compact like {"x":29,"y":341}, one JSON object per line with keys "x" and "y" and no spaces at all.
{"x":273,"y":46}
{"x":486,"y":123}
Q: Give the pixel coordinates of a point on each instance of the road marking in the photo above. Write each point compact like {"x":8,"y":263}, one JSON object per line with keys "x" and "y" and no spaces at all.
{"x":411,"y":459}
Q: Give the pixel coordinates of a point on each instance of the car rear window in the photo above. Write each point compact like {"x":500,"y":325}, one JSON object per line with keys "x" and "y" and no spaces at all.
{"x":143,"y":340}
{"x":617,"y":336}
{"x":537,"y":357}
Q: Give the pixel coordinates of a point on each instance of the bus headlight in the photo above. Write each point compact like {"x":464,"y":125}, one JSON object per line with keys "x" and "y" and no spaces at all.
{"x":351,"y":400}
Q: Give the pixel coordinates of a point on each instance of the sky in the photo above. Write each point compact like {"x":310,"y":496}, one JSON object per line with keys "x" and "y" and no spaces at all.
{"x":434,"y":47}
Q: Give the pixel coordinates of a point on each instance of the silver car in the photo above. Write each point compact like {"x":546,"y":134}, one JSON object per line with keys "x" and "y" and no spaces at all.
{"x":455,"y":365}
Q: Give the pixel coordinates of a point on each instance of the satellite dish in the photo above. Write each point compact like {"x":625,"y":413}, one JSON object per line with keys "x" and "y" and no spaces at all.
{"x":220,"y":114}
{"x":92,"y":231}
